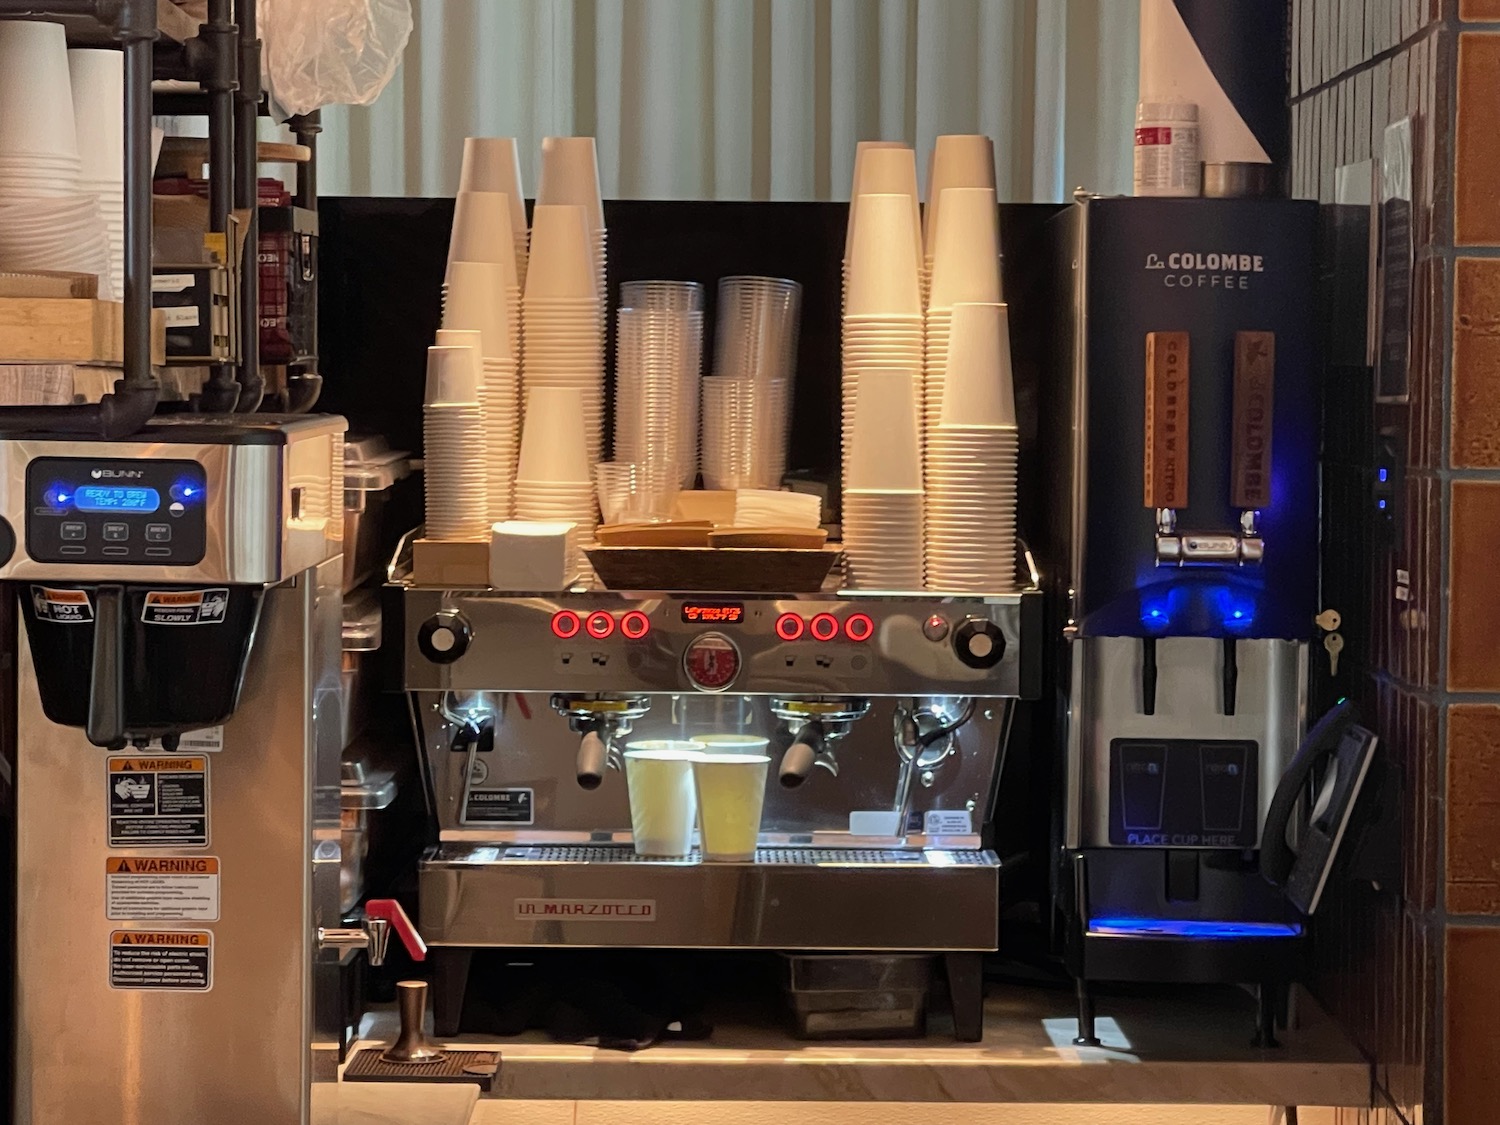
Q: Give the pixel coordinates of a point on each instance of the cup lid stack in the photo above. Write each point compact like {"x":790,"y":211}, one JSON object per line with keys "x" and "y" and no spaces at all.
{"x":493,"y":164}
{"x":970,"y":526}
{"x":883,"y":500}
{"x":453,"y":445}
{"x":562,"y":333}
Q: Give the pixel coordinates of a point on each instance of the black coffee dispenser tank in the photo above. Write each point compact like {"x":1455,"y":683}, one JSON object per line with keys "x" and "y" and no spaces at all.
{"x":141,"y":565}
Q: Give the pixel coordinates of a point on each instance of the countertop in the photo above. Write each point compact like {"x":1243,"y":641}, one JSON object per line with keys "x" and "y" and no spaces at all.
{"x":1191,"y":1047}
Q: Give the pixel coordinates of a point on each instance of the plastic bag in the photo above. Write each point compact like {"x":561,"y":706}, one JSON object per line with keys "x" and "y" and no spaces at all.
{"x":332,"y":52}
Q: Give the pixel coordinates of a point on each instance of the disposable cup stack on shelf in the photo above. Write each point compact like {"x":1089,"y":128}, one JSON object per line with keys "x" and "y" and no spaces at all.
{"x":570,"y":176}
{"x":482,"y":232}
{"x":971,"y":461}
{"x":747,"y":402}
{"x":97,"y":78}
{"x":493,"y":164}
{"x":658,"y":368}
{"x":453,"y":446}
{"x":562,"y":333}
{"x":966,"y":268}
{"x":883,"y":500}
{"x":957,"y":160}
{"x":471,"y":304}
{"x":882,"y":324}
{"x":553,"y":478}
{"x":884,"y":168}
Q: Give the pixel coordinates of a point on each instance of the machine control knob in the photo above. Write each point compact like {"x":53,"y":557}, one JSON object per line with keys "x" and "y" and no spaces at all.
{"x":979,"y":643}
{"x":444,"y":637}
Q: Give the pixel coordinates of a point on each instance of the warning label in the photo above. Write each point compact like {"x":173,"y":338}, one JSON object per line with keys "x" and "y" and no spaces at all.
{"x":65,"y":607}
{"x":161,"y":889}
{"x":185,"y":607}
{"x":208,"y":740}
{"x":158,"y":802}
{"x":161,"y":961}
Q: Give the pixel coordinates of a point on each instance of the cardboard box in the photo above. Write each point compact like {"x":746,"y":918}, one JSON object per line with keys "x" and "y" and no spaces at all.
{"x":449,"y":563}
{"x":68,"y":330}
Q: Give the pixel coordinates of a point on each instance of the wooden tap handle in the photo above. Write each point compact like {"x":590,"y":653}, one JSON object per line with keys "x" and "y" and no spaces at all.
{"x":1254,"y":383}
{"x":1166,"y":461}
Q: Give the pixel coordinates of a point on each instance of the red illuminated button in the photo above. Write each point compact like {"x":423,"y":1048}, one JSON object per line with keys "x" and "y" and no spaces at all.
{"x":599,"y":625}
{"x":635,"y":625}
{"x":789,"y":626}
{"x":565,"y":624}
{"x":824,"y":627}
{"x":711,"y":662}
{"x":858,"y":627}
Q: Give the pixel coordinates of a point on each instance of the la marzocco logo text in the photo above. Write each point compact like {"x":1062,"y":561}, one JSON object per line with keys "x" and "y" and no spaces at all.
{"x":585,"y":910}
{"x":1193,"y":270}
{"x":116,"y":474}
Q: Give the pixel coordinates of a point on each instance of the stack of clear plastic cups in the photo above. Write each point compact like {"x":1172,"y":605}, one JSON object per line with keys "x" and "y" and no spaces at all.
{"x":755,"y":344}
{"x":658,"y":367}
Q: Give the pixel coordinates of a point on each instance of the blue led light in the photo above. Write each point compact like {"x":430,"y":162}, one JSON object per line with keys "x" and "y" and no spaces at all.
{"x":58,"y":496}
{"x":1384,"y":475}
{"x":187,"y":490}
{"x":1381,"y":504}
{"x":1193,"y":928}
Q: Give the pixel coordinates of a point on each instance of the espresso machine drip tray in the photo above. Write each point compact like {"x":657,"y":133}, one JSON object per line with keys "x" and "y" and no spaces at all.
{"x":806,"y":857}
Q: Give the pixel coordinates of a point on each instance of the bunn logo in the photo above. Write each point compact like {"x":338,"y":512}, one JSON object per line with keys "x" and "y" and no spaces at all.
{"x":116,"y":474}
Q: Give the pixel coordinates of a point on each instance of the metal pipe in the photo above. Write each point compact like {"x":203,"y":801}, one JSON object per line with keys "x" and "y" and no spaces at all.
{"x":222,"y":391}
{"x":138,"y":30}
{"x":246,"y":182}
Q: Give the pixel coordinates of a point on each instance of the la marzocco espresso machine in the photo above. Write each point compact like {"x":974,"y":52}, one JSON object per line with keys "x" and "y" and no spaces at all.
{"x":1186,"y":432}
{"x":886,"y":718}
{"x":177,"y":775}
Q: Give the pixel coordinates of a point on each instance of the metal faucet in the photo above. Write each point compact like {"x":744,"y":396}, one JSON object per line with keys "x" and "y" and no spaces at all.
{"x":374,"y":934}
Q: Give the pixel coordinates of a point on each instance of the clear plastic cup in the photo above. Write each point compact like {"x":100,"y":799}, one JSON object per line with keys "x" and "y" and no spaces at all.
{"x":663,"y":800}
{"x":731,"y":794}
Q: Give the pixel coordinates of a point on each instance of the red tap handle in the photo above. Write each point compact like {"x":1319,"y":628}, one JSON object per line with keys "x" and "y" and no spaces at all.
{"x":390,"y":910}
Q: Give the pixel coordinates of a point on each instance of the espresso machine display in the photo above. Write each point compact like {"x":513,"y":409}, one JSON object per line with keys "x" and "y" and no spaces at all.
{"x":1186,"y":428}
{"x":884,"y":720}
{"x":177,"y":769}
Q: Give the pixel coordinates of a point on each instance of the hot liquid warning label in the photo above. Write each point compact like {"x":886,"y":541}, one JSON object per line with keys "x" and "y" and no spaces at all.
{"x":158,"y":802}
{"x":62,"y":607}
{"x":185,"y":607}
{"x":161,"y":961}
{"x":161,"y":889}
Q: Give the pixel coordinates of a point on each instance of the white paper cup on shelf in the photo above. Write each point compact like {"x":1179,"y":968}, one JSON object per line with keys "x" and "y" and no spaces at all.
{"x":570,"y":175}
{"x":889,"y":169}
{"x":473,"y":298}
{"x":494,"y":164}
{"x":883,"y":277}
{"x":553,"y":444}
{"x":453,"y":375}
{"x":958,"y":160}
{"x":482,"y":232}
{"x":977,"y":386}
{"x":36,"y":91}
{"x":663,"y":800}
{"x":562,"y":263}
{"x":966,"y":254}
{"x":97,"y":78}
{"x":886,"y":446}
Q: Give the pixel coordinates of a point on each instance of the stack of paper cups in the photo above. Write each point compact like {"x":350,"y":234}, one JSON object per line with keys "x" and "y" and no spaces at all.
{"x":570,"y":176}
{"x":882,"y":324}
{"x":553,"y":478}
{"x":882,"y":517}
{"x":482,"y":232}
{"x":453,"y":446}
{"x":971,"y":461}
{"x":561,"y":328}
{"x":884,"y":168}
{"x":966,"y":269}
{"x":957,"y":161}
{"x":500,"y":418}
{"x":493,"y":164}
{"x":98,"y":83}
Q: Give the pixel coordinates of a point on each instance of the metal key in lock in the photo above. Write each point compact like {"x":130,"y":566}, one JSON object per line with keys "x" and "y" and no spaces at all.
{"x":1333,"y":644}
{"x":1329,"y":620}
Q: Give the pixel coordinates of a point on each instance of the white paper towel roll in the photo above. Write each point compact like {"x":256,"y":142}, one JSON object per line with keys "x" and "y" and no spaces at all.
{"x":1174,"y":69}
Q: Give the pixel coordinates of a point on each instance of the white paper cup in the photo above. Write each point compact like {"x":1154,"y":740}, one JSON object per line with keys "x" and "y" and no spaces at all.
{"x":663,"y":801}
{"x":977,"y":384}
{"x":883,"y":276}
{"x":474,"y":299}
{"x":885,"y":449}
{"x":731,"y":794}
{"x":494,"y":164}
{"x":97,"y":78}
{"x":570,"y":175}
{"x":453,"y":375}
{"x":562,"y":263}
{"x":889,"y":169}
{"x":482,"y":233}
{"x":554,"y":447}
{"x":958,"y":161}
{"x":966,"y":255}
{"x":36,"y":90}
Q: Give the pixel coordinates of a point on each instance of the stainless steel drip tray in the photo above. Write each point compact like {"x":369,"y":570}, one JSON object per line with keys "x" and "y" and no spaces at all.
{"x":521,"y":895}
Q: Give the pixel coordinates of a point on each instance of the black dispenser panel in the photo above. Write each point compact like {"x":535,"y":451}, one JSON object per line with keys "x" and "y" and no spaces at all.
{"x":1183,"y":793}
{"x":113,"y":510}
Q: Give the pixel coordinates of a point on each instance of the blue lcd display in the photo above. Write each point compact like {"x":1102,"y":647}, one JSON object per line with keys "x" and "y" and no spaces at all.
{"x":102,"y":498}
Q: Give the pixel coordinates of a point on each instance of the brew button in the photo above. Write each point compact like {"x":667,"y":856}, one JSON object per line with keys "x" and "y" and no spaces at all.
{"x":158,"y":552}
{"x":158,"y":533}
{"x":74,"y":531}
{"x":117,"y":550}
{"x":72,"y":549}
{"x":116,"y":532}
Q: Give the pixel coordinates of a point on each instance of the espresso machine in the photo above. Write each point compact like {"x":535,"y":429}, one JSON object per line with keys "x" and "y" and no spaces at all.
{"x":1185,"y":435}
{"x":887,"y":721}
{"x":177,"y":769}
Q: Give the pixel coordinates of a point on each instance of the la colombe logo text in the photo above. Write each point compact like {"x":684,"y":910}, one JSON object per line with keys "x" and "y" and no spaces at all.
{"x":1190,"y":269}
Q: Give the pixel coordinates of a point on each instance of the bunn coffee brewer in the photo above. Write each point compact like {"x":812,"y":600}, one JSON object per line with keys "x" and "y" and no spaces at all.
{"x":885,"y":719}
{"x":179,"y":728}
{"x":1185,"y":437}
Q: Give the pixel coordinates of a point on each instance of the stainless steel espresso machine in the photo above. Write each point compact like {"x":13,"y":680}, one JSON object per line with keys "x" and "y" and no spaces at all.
{"x":1185,"y":429}
{"x":177,"y":768}
{"x":887,"y":718}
